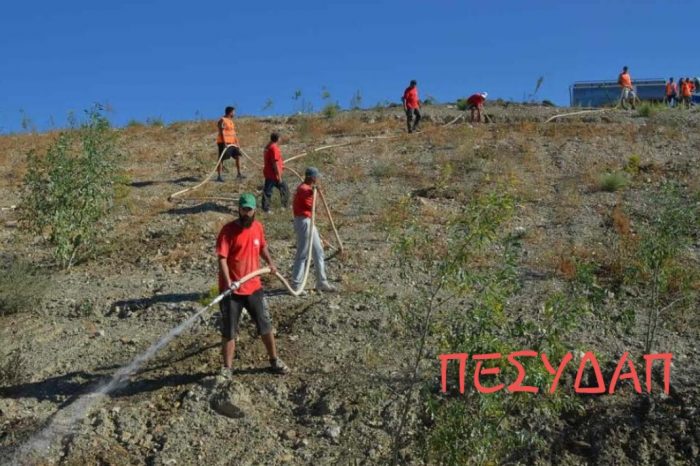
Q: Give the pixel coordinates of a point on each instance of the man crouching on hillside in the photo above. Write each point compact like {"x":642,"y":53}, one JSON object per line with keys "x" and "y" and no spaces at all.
{"x":239,"y":247}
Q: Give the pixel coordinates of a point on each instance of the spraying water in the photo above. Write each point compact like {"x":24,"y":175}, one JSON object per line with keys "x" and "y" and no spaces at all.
{"x":64,"y":421}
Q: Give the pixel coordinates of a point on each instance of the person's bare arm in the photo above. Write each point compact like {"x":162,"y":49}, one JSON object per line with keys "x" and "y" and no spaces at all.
{"x":223,"y":269}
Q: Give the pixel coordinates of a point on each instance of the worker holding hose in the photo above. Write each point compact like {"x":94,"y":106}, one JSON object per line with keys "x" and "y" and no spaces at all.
{"x":226,"y":140}
{"x":302,"y":206}
{"x":239,"y":246}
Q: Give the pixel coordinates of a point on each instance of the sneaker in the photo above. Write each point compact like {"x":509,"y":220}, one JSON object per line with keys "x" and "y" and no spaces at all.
{"x":241,"y":176}
{"x":278,"y":366}
{"x":226,"y":372}
{"x":219,"y":179}
{"x":326,"y":287}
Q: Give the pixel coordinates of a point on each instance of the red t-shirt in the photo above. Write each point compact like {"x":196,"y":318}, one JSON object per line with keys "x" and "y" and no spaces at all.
{"x":241,"y":247}
{"x":410,"y":96}
{"x":272,"y":156}
{"x":303,"y":200}
{"x":476,"y":99}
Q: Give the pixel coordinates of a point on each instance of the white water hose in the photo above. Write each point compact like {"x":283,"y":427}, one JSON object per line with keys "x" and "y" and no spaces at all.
{"x":576,"y":113}
{"x":208,"y":177}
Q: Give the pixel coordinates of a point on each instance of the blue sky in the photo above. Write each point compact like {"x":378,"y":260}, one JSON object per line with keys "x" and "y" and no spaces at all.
{"x":183,"y":60}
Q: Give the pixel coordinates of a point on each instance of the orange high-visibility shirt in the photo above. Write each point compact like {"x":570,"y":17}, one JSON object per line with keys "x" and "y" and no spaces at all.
{"x":686,"y":90}
{"x":625,"y":80}
{"x":671,"y":89}
{"x":229,"y":131}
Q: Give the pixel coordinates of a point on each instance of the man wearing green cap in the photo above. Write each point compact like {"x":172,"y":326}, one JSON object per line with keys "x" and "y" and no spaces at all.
{"x":239,"y":247}
{"x":302,"y":206}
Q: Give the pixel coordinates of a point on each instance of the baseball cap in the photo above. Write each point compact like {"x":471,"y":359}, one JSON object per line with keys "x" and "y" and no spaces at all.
{"x":484,"y":94}
{"x":247,"y":200}
{"x":312,"y":171}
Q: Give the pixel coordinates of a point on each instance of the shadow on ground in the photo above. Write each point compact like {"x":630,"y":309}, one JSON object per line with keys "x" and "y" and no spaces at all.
{"x":143,"y":184}
{"x":200,"y":208}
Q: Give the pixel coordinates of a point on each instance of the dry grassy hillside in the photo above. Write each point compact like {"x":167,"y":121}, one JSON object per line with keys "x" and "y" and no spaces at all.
{"x":571,"y":236}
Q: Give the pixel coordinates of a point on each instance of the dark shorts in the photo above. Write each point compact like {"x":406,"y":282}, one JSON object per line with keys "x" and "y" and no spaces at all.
{"x":231,"y":307}
{"x":231,"y":153}
{"x":473,"y":107}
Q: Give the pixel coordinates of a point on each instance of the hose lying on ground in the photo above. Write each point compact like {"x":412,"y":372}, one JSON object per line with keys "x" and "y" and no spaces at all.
{"x":208,"y":177}
{"x":576,"y":113}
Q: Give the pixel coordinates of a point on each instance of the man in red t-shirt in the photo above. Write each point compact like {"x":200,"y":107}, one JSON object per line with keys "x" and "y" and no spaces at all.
{"x":238,"y":248}
{"x":302,"y":205}
{"x":273,"y":165}
{"x":411,"y":104}
{"x":475,"y":103}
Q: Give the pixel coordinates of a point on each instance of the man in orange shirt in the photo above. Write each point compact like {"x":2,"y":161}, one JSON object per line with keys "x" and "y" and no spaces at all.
{"x":686,"y":92}
{"x":671,"y":93}
{"x":227,"y":140}
{"x":625,"y":81}
{"x":239,"y":246}
{"x":273,"y":165}
{"x":411,"y":105}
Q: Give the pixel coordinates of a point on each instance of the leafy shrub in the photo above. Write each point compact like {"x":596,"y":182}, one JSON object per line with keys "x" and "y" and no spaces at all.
{"x":632,"y":166}
{"x":648,"y":109}
{"x":430,"y":100}
{"x":462,"y":104}
{"x":69,"y":190}
{"x":611,"y":182}
{"x":20,"y":287}
{"x":481,"y":269}
{"x":330,"y":110}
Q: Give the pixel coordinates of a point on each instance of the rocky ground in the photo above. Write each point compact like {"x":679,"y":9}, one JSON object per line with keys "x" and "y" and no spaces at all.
{"x":350,"y":353}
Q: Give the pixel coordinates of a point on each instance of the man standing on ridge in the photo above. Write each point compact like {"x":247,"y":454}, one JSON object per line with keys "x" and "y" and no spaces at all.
{"x":671,"y":93}
{"x":226,"y":136}
{"x":686,"y":92}
{"x":411,"y":104}
{"x":273,"y":165}
{"x":302,"y":205}
{"x":238,"y":248}
{"x":475,"y":103}
{"x":625,"y":81}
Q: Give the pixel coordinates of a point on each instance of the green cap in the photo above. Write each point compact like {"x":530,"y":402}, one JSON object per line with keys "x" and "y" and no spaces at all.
{"x":247,"y":200}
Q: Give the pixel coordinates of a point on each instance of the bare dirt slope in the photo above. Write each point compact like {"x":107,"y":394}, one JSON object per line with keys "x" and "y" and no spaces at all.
{"x":351,"y":353}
